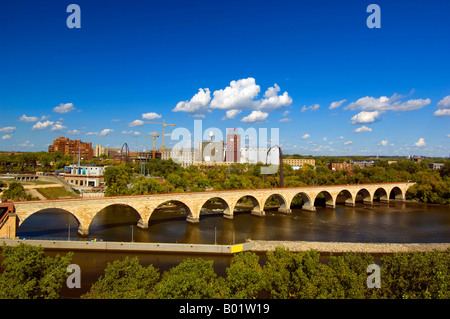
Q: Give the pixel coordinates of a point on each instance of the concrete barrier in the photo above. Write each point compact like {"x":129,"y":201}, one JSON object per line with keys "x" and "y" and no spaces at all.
{"x":134,"y":247}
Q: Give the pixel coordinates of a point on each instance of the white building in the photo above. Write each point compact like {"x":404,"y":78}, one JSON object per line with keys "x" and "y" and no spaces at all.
{"x":182,"y":156}
{"x":259,"y":154}
{"x":84,"y":175}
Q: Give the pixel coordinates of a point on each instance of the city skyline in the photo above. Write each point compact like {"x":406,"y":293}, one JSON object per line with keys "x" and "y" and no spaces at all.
{"x":316,"y":71}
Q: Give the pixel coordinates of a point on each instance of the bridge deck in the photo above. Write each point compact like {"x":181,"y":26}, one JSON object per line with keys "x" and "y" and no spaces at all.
{"x":271,"y":189}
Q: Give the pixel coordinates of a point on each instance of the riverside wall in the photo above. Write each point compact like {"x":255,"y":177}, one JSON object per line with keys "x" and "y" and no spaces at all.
{"x":253,"y":246}
{"x":345,"y":247}
{"x":131,"y":246}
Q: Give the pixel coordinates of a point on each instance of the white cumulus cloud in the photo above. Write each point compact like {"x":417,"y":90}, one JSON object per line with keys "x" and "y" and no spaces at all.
{"x":273,"y":101}
{"x":383,"y":104}
{"x":337,"y":104}
{"x":25,"y":118}
{"x":57,"y":127}
{"x":27,"y":144}
{"x":151,"y":116}
{"x":231,"y":114}
{"x":42,"y":125}
{"x":255,"y":117}
{"x":305,"y":136}
{"x":64,"y":108}
{"x":420,"y":142}
{"x":365,"y":117}
{"x":104,"y":132}
{"x":443,"y":107}
{"x":239,"y":95}
{"x":73,"y":132}
{"x":136,"y":123}
{"x":442,"y":112}
{"x":133,"y":133}
{"x":197,"y":104}
{"x":363,"y":129}
{"x":8,"y":129}
{"x":313,"y":107}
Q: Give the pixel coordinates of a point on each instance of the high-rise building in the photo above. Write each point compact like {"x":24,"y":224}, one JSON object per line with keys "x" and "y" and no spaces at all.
{"x":72,"y":147}
{"x":233,"y":149}
{"x":210,"y":152}
{"x":108,"y":151}
{"x":253,"y":155}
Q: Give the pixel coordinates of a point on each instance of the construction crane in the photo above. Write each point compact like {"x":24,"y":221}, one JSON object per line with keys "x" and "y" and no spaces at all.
{"x":164,"y":124}
{"x":154,"y":135}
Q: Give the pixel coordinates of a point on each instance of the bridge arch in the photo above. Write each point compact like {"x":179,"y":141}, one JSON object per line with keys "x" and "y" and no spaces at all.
{"x":256,"y":206}
{"x":381,"y":194}
{"x":159,"y":213}
{"x":183,"y":207}
{"x":113,"y":215}
{"x":348,"y":198}
{"x":305,"y":200}
{"x":282,"y":202}
{"x":396,"y":193}
{"x":364,"y":196}
{"x":329,"y":201}
{"x":53,"y":224}
{"x":227,"y":212}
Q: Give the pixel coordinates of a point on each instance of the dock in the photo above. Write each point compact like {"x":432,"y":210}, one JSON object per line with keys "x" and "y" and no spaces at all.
{"x":132,"y":246}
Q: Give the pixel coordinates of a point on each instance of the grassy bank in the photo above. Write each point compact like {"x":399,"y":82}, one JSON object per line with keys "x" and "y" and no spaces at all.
{"x":56,"y":192}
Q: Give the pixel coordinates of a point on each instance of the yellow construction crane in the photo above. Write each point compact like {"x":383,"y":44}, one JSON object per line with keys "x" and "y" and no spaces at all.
{"x":164,"y":124}
{"x":154,"y":135}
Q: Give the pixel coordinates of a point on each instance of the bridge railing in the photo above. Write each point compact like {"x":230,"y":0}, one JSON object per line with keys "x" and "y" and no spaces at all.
{"x":4,"y":219}
{"x":72,"y":238}
{"x":362,"y":185}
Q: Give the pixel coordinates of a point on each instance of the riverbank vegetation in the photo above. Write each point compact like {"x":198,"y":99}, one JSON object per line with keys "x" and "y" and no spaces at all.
{"x":432,"y":186}
{"x":27,"y":273}
{"x":286,"y":275}
{"x":162,"y":176}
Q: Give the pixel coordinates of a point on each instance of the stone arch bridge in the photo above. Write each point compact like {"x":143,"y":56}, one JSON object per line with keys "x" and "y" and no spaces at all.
{"x":85,"y":209}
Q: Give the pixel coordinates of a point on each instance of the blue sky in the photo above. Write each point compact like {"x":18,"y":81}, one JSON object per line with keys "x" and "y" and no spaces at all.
{"x":261,"y":64}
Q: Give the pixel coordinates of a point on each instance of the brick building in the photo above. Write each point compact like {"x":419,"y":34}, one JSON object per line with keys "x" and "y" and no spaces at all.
{"x":299,"y":162}
{"x":72,"y":147}
{"x":339,"y":166}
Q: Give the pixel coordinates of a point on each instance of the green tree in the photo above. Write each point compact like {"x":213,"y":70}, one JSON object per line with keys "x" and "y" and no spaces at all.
{"x":415,"y":275}
{"x":235,"y":181}
{"x":349,"y":275}
{"x":144,"y":185}
{"x":244,"y":276}
{"x":29,"y":274}
{"x":291,"y":275}
{"x":430,"y":188}
{"x":191,"y":279}
{"x":15,"y":192}
{"x":124,"y":279}
{"x":178,"y":181}
{"x":116,"y":179}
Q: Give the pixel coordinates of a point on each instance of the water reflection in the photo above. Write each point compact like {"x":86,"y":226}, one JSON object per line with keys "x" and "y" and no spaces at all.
{"x":393,"y":222}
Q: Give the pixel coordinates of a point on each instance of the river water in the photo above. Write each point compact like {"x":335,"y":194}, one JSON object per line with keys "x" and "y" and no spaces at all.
{"x":396,"y":222}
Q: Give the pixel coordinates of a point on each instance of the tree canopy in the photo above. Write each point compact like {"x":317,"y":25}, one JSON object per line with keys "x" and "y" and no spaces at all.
{"x":29,"y":274}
